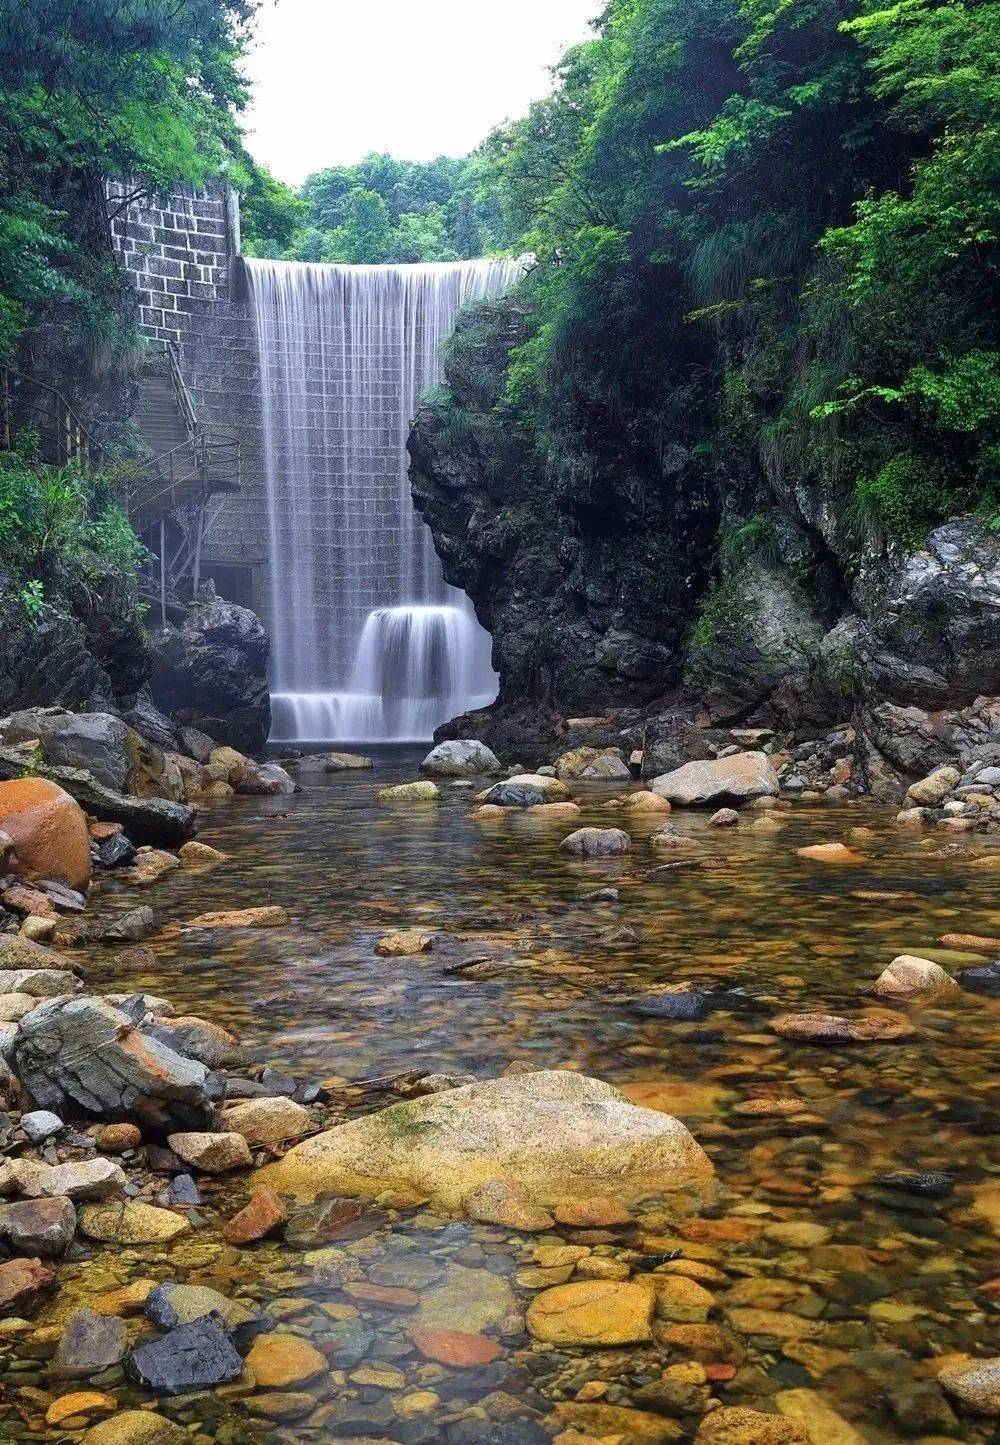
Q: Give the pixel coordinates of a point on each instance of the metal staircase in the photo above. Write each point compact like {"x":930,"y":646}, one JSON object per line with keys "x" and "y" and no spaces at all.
{"x":168,"y":492}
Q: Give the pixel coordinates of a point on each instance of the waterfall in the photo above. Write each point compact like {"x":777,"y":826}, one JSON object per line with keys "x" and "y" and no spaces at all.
{"x":368,"y":641}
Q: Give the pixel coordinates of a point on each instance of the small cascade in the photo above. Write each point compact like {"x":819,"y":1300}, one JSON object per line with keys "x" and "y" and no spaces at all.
{"x":368,"y":641}
{"x":415,"y":665}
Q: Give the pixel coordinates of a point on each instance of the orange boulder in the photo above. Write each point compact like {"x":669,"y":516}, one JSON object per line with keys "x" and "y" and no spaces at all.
{"x":49,"y":830}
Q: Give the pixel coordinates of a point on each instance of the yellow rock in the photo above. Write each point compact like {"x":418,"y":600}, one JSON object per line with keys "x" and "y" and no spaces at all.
{"x":128,"y":1300}
{"x":680,"y":1299}
{"x":83,"y":1403}
{"x":821,"y":1424}
{"x":989,"y":863}
{"x":645,"y":802}
{"x":418,"y":1402}
{"x":131,"y":1223}
{"x":278,"y":1361}
{"x":199,"y":855}
{"x":403,"y":944}
{"x":798,"y":1234}
{"x":682,"y":1098}
{"x":735,"y":1425}
{"x":136,"y":1427}
{"x":419,"y":792}
{"x":615,"y":1422}
{"x":779,"y":1323}
{"x":593,"y":1312}
{"x":268,"y":916}
{"x":829,"y":853}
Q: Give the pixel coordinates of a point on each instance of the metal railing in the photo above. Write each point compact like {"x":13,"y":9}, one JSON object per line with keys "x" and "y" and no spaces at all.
{"x":208,"y":457}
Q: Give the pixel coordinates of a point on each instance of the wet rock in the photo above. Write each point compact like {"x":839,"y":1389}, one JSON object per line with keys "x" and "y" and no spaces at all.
{"x":592,"y":1312}
{"x":576,"y":762}
{"x":465,"y":1299}
{"x":88,"y":1054}
{"x":118,"y":1138}
{"x":23,"y":1285}
{"x":195,"y":1356}
{"x":275,"y":781}
{"x":419,"y":792}
{"x":460,"y":758}
{"x":930,"y":1184}
{"x":199,"y":855}
{"x":78,"y":1179}
{"x":150,"y":865}
{"x":346,"y":762}
{"x":983,"y":979}
{"x":267,"y":916}
{"x":596,"y":842}
{"x":41,"y":1124}
{"x":930,"y":792}
{"x":211,"y":1045}
{"x":38,"y":1226}
{"x":817,"y":1418}
{"x":975,"y":1385}
{"x":819,"y":1028}
{"x":525,"y":790}
{"x":590,"y":1422}
{"x":644,"y":801}
{"x":681,"y":1005}
{"x":737,"y":1425}
{"x":829,"y":853}
{"x":89,"y":1343}
{"x":279,"y":1361}
{"x":131,"y":1223}
{"x":506,"y":1202}
{"x":136,"y":1427}
{"x":403,"y":944}
{"x":724,"y":818}
{"x":557,"y":1132}
{"x":115,"y":852}
{"x":720,"y":780}
{"x":131,"y":927}
{"x":48,"y":829}
{"x":264,"y":1215}
{"x":454,"y":1347}
{"x":593,"y":1213}
{"x":80,"y":1405}
{"x":908,"y":975}
{"x":268,"y":1121}
{"x":333,"y":1219}
{"x":212,"y":1153}
{"x":170,"y":1305}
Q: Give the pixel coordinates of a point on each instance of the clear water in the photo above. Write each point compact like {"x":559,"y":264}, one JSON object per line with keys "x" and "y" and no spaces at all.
{"x":900,"y":1279}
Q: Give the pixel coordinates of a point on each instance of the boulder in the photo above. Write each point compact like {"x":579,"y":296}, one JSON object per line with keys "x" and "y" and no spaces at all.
{"x":883,"y":1026}
{"x":49,"y":831}
{"x":196,"y":1038}
{"x":461,"y":758}
{"x":907,"y":975}
{"x":211,"y":672}
{"x":136,"y":1427}
{"x":593,"y":1312}
{"x":525,"y":790}
{"x":596,"y":842}
{"x":975,"y":1385}
{"x":419,"y":792}
{"x":733,"y":779}
{"x":94,"y":741}
{"x":170,"y":1305}
{"x":37,"y":1226}
{"x":738,"y":1425}
{"x":268,"y":1121}
{"x":346,"y":763}
{"x":644,"y":802}
{"x":131,"y":1223}
{"x":594,"y":762}
{"x":89,"y":1344}
{"x":23,"y":1284}
{"x":85,"y":1053}
{"x":829,"y":853}
{"x":145,"y":820}
{"x":404,"y":944}
{"x":275,"y":781}
{"x":556,"y":1132}
{"x":931,"y":791}
{"x":211,"y":1153}
{"x":262,"y":1216}
{"x":268,"y":915}
{"x":196,"y":744}
{"x":78,"y":1179}
{"x":195,"y":1356}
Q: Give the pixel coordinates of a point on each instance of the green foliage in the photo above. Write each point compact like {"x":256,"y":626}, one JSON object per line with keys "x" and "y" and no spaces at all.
{"x":92,"y":89}
{"x":383,"y":210}
{"x":767,"y":234}
{"x":64,"y":540}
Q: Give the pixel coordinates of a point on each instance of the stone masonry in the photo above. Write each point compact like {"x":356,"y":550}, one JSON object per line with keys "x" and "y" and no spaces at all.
{"x":182,"y":253}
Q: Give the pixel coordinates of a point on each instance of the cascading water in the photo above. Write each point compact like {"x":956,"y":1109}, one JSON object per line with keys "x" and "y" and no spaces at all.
{"x":368,"y":641}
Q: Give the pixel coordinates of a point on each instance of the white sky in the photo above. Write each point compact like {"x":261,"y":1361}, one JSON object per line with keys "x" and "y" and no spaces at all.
{"x":334,"y":79}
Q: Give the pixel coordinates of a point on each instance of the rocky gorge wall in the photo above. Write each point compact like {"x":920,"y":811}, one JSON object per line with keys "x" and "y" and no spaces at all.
{"x":639,"y":606}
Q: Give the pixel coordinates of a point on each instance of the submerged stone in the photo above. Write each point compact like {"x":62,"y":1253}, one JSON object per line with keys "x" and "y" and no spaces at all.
{"x":191,"y":1357}
{"x":556,"y":1132}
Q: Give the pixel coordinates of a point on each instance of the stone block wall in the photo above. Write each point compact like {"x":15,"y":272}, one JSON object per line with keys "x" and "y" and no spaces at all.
{"x":182,"y":253}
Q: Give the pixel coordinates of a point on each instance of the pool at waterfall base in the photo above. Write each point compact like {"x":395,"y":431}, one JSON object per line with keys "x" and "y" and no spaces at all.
{"x":845,"y":1245}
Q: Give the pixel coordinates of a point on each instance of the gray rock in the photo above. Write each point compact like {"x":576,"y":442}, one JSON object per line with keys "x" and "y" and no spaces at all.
{"x":130,"y":927}
{"x":85,"y":1053}
{"x":90,"y":1343}
{"x":196,"y":744}
{"x":94,"y":741}
{"x":40,"y":1124}
{"x":195,"y":1356}
{"x":460,"y":758}
{"x":170,"y":1305}
{"x":146,"y":820}
{"x":82,"y":1179}
{"x":596,"y":842}
{"x":606,"y":768}
{"x":213,"y":668}
{"x":37,"y":1226}
{"x":722,"y":780}
{"x":149,"y":722}
{"x":276,"y":780}
{"x":197,"y":1039}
